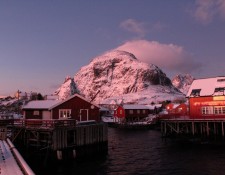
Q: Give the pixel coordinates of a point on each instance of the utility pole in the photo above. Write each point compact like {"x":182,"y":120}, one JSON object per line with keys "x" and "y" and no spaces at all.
{"x":18,"y":98}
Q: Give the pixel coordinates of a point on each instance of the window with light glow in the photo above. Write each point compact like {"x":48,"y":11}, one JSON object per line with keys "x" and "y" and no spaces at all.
{"x":131,"y":111}
{"x":65,"y":113}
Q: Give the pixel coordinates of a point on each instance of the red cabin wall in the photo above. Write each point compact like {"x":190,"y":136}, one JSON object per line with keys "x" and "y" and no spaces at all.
{"x":29,"y":114}
{"x":120,"y":112}
{"x":181,"y":109}
{"x":196,"y":104}
{"x":75,"y":104}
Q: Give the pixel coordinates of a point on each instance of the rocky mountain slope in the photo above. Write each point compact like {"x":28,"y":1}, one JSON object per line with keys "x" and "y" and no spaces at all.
{"x":119,"y":75}
{"x":183,"y":82}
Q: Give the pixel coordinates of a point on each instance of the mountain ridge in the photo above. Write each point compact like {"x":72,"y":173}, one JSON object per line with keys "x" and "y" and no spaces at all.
{"x":120,"y":74}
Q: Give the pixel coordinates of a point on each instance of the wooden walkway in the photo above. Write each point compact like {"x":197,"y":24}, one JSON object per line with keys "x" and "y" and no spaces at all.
{"x":8,"y":164}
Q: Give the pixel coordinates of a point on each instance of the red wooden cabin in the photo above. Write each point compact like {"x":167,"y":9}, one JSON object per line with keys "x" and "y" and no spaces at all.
{"x":131,"y":112}
{"x":76,"y":107}
{"x":207,"y":98}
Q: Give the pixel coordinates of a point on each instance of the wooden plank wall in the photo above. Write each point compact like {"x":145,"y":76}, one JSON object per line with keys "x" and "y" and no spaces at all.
{"x":82,"y":135}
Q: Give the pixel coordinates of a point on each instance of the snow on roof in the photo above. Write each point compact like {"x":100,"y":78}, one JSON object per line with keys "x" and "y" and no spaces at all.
{"x":50,"y":104}
{"x":206,"y":87}
{"x":134,"y":106}
{"x":75,"y":95}
{"x":152,"y":107}
{"x":41,"y":104}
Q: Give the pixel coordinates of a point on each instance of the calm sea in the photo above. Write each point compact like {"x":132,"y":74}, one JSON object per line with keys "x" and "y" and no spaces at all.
{"x":142,"y":153}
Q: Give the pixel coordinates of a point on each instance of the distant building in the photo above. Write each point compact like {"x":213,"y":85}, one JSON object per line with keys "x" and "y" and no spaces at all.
{"x":207,"y":98}
{"x":131,"y":112}
{"x":75,"y":107}
{"x":173,"y":108}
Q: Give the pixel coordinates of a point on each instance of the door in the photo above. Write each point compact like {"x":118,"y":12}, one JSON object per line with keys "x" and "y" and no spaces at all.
{"x":84,"y":115}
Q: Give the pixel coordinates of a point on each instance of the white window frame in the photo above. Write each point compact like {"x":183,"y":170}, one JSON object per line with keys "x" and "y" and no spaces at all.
{"x":206,"y":110}
{"x":66,"y":113}
{"x":219,"y":110}
{"x":81,"y":114}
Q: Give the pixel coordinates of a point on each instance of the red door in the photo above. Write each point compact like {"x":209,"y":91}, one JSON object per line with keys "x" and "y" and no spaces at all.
{"x":83,"y":114}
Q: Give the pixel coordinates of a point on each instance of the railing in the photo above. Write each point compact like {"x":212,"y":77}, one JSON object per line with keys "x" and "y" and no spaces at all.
{"x":39,"y":123}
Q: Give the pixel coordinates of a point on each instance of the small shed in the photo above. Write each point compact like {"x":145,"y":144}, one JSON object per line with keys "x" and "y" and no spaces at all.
{"x":75,"y":107}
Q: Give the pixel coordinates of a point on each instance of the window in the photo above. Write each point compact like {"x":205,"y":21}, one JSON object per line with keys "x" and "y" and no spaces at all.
{"x":131,"y":111}
{"x":36,"y":113}
{"x":207,"y":110}
{"x":143,"y":111}
{"x":195,"y":92}
{"x":138,"y":111}
{"x":219,"y":110}
{"x":65,"y":113}
{"x":219,"y":91}
{"x":221,"y":80}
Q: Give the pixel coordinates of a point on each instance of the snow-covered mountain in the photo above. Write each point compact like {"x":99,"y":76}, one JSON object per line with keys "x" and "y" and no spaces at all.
{"x":183,"y":82}
{"x":119,"y":75}
{"x":67,"y":89}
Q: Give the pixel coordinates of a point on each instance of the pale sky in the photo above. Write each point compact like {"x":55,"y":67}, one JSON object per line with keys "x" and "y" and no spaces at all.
{"x":42,"y":42}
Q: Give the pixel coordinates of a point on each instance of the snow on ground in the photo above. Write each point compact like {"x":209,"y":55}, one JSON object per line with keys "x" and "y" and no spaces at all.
{"x":156,"y":94}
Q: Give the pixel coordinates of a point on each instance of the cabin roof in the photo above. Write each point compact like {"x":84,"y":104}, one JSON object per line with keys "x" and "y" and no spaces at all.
{"x":134,"y":106}
{"x":50,"y":104}
{"x":40,"y":104}
{"x":207,"y":87}
{"x":75,"y":95}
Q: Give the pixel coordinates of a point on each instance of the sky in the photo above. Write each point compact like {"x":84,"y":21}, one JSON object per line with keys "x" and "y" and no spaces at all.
{"x":44,"y":41}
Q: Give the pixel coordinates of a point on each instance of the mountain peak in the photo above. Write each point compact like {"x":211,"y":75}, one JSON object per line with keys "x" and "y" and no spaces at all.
{"x":182,"y":82}
{"x":119,"y":74}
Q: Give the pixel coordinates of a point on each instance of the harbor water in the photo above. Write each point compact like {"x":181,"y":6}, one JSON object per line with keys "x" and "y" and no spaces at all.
{"x":142,"y":152}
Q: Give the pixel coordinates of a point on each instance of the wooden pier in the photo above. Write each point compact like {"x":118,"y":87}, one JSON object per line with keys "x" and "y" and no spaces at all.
{"x":200,"y":129}
{"x":63,"y":137}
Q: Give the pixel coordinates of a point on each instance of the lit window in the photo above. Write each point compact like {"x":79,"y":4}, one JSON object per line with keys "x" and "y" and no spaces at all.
{"x":65,"y":113}
{"x":138,"y":111}
{"x":143,"y":111}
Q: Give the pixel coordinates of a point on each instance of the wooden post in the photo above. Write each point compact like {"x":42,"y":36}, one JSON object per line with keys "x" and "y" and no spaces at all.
{"x":222,"y":130}
{"x":207,"y":128}
{"x":59,"y":155}
{"x":193,"y":128}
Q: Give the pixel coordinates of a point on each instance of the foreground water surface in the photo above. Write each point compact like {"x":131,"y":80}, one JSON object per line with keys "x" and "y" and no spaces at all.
{"x":141,"y":153}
